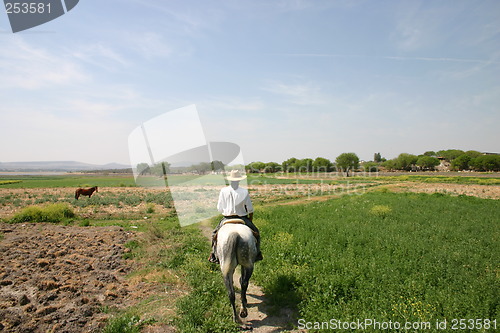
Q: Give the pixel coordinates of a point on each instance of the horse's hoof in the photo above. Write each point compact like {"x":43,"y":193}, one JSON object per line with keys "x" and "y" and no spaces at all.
{"x":243,"y":313}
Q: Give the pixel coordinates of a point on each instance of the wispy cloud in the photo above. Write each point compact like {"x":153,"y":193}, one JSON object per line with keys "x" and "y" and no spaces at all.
{"x":149,"y":45}
{"x":99,"y":55}
{"x":303,"y":93}
{"x":26,"y":66}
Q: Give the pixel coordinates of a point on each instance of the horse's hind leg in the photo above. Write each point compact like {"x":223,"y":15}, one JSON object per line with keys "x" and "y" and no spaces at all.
{"x":228,"y":281}
{"x":246,"y":273}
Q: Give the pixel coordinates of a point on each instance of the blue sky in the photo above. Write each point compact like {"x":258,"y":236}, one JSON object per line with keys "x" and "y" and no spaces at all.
{"x":280,"y":78}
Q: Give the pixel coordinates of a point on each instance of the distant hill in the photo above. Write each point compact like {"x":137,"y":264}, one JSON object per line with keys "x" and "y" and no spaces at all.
{"x":58,"y":166}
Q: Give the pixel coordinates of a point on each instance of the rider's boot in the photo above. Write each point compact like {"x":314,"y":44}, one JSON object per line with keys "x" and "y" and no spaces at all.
{"x":213,"y":258}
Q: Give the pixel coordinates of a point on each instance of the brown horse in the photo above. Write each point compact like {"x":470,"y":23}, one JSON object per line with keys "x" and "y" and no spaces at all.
{"x":85,"y":191}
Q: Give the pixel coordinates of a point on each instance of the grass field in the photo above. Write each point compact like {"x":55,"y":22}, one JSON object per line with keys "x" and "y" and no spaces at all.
{"x":384,"y":256}
{"x":366,"y":253}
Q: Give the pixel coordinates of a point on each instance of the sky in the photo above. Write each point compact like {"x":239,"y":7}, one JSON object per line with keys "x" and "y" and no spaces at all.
{"x":281,"y":79}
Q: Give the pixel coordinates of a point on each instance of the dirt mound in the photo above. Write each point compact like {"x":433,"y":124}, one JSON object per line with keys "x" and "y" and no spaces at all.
{"x":61,"y":279}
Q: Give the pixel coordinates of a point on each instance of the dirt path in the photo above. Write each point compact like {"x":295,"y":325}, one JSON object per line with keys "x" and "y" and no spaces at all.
{"x":259,"y":317}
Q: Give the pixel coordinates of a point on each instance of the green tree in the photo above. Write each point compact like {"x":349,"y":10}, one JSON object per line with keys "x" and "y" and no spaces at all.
{"x":304,"y":165}
{"x":160,"y":169}
{"x":321,"y":164}
{"x":427,"y":162}
{"x":450,"y":154}
{"x":405,"y":161}
{"x":370,"y":166}
{"x":473,"y":153}
{"x":255,"y":167}
{"x":430,"y":153}
{"x":201,"y":168}
{"x":347,"y":162}
{"x":272,"y":167}
{"x":390,"y":164}
{"x":377,"y":158}
{"x":217,"y":166}
{"x":289,"y":165}
{"x":486,"y":163}
{"x":461,"y":162}
{"x":143,"y":168}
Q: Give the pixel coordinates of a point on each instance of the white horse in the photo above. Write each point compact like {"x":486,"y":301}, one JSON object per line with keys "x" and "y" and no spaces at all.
{"x":236,"y":245}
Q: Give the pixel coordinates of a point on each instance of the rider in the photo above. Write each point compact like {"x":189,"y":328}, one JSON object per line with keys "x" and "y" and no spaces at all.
{"x":234,"y":203}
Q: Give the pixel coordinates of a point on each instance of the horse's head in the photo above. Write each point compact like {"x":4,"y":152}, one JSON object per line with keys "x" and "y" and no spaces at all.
{"x":96,"y":189}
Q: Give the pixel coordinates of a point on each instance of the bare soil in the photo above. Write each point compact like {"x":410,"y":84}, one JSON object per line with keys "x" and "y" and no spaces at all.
{"x":480,"y":191}
{"x":56,"y":278}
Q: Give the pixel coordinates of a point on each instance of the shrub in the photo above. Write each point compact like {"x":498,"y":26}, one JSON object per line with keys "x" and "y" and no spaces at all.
{"x":57,"y":212}
{"x":150,"y":208}
{"x":380,"y":210}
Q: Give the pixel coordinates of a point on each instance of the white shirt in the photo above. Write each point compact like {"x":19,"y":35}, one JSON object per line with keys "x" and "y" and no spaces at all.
{"x":234,"y":202}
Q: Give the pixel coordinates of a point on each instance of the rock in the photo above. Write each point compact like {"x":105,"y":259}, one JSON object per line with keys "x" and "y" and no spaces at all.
{"x":23,"y":300}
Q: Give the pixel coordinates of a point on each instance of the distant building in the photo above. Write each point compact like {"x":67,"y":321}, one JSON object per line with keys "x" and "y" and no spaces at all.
{"x":444,"y":165}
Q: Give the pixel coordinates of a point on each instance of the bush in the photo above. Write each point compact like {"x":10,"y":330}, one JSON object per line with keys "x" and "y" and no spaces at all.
{"x":380,"y":210}
{"x":57,"y":212}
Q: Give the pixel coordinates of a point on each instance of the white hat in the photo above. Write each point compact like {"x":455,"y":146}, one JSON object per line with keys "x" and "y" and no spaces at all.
{"x":235,"y":176}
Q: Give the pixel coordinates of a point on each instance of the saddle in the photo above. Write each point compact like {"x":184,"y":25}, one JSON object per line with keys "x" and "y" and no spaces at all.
{"x":234,"y":221}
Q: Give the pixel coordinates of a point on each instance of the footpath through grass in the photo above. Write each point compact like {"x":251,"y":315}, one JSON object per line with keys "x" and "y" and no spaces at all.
{"x":383,"y":256}
{"x":175,"y":257}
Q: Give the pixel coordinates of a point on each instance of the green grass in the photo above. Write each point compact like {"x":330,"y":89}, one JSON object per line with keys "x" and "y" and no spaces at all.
{"x":206,"y":308}
{"x":65,"y":181}
{"x":57,"y":212}
{"x":126,"y":323}
{"x":178,"y":256}
{"x":385,"y":256}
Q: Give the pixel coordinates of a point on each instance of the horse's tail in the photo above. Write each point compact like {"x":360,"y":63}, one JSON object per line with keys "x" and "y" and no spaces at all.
{"x":229,"y":254}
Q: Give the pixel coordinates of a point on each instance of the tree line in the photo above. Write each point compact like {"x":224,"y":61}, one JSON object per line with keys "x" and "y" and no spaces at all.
{"x":346,"y":162}
{"x":453,"y":159}
{"x":164,"y":168}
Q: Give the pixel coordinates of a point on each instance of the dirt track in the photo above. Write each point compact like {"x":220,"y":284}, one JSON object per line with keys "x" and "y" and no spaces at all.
{"x":61,"y":279}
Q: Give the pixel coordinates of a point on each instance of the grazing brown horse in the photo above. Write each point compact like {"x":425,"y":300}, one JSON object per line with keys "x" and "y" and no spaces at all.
{"x":85,"y":191}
